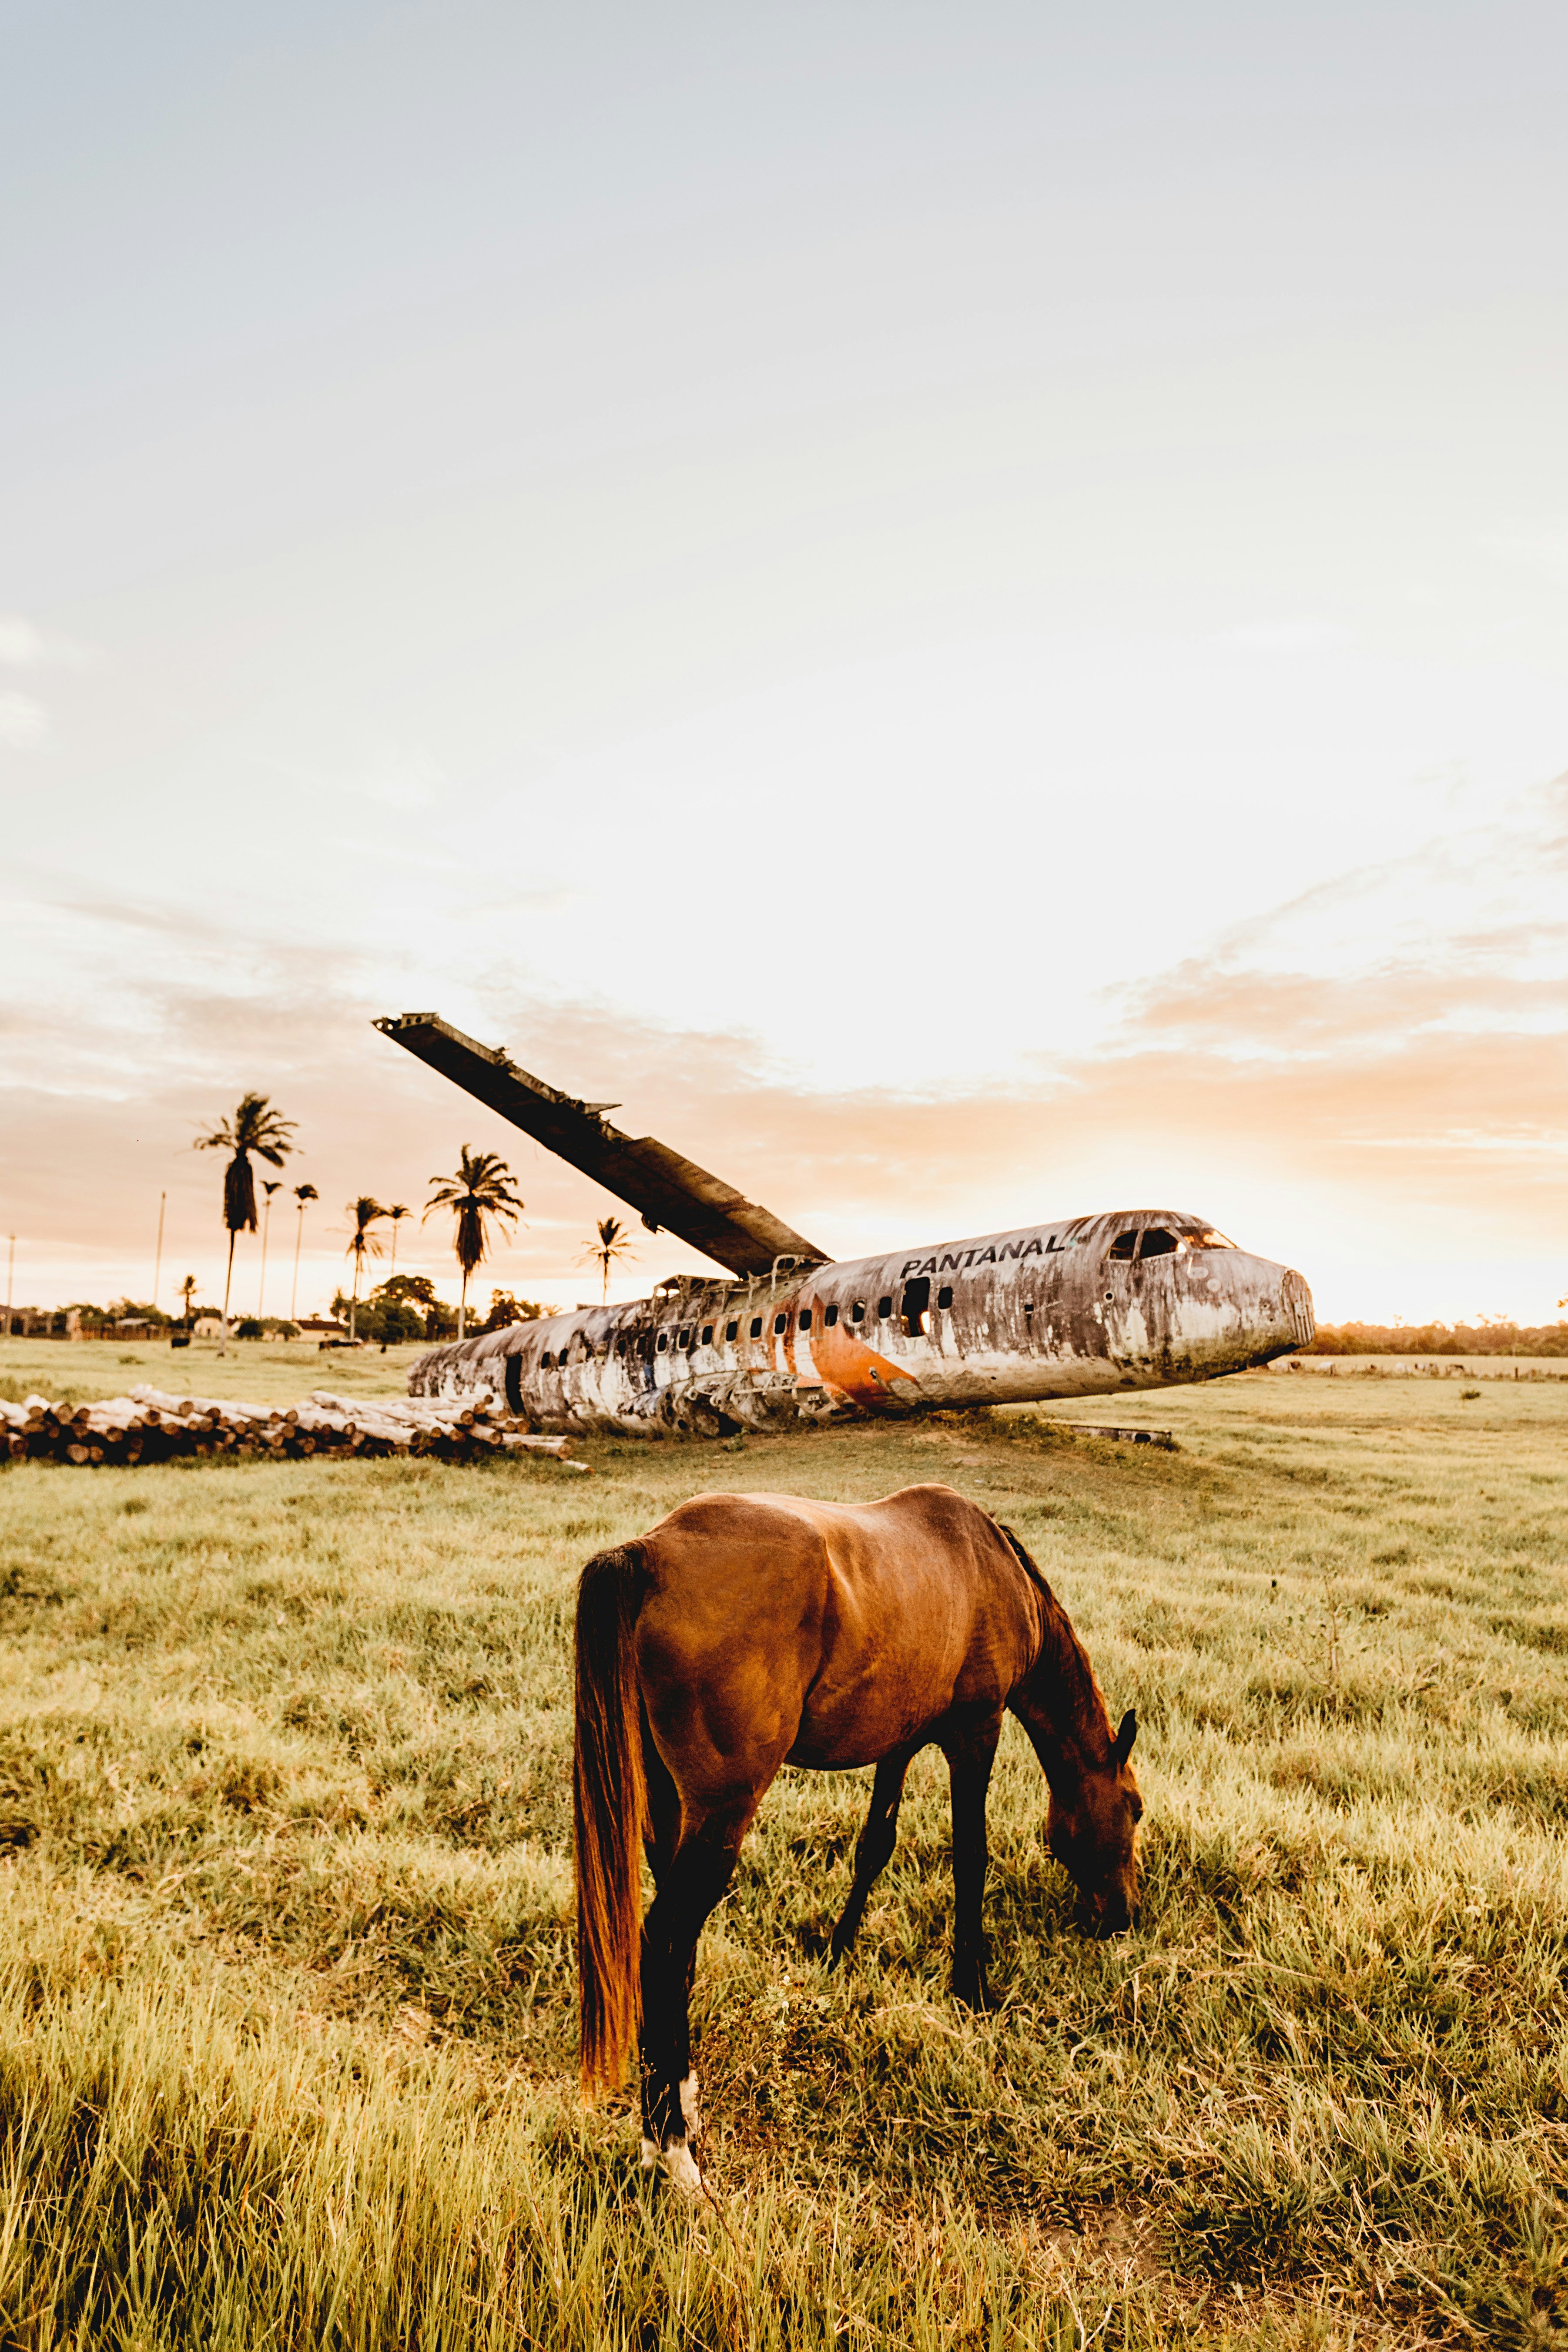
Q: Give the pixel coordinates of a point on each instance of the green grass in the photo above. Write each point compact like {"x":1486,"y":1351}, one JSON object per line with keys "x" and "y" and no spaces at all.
{"x":286,"y":1989}
{"x":79,"y":1371}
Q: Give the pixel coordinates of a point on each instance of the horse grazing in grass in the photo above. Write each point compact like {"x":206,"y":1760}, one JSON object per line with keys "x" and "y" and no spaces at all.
{"x":749,"y":1631}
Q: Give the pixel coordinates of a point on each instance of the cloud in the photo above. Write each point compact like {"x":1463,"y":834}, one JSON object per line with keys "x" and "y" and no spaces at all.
{"x":1238,"y":1013}
{"x":1397,"y":1099}
{"x":20,"y":643}
{"x":23,"y":644}
{"x":394,"y":776}
{"x":1540,"y":546}
{"x":1283,"y":637}
{"x":24,"y":723}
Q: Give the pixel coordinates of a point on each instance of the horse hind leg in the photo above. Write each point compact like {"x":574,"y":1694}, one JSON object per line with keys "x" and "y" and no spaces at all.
{"x":873,"y":1849}
{"x":688,"y":1890}
{"x":662,"y":1834}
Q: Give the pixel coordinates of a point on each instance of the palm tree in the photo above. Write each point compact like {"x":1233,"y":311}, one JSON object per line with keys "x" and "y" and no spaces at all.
{"x":302,"y":1193}
{"x":481,"y":1189}
{"x":266,"y":1229}
{"x":397,"y":1212}
{"x":254,"y":1127}
{"x":614,"y":1242}
{"x":187,"y":1291}
{"x":363,"y":1244}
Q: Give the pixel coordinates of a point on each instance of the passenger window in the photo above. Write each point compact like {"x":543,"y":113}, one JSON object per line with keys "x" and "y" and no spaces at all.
{"x":547,"y":1362}
{"x":683,"y":1338}
{"x":1158,"y":1243}
{"x":917,"y":1299}
{"x":779,"y":1323}
{"x":830,"y":1316}
{"x":806,"y":1319}
{"x":756,"y":1327}
{"x":731,"y":1330}
{"x":857,"y":1312}
{"x":884,"y":1308}
{"x":663,"y":1341}
{"x":1123,"y":1245}
{"x":708,"y":1335}
{"x":944,"y":1297}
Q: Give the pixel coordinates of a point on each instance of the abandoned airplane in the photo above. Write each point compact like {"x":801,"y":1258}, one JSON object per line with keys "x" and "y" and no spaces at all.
{"x":1136,"y":1298}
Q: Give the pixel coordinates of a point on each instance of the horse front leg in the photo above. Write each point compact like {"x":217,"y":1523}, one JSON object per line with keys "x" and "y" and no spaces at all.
{"x":873,"y":1848}
{"x":969,"y":1761}
{"x":689,"y":1889}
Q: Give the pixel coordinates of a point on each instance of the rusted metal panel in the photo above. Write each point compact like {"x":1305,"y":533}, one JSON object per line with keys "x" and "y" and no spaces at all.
{"x":1135,"y":1299}
{"x":670,"y":1193}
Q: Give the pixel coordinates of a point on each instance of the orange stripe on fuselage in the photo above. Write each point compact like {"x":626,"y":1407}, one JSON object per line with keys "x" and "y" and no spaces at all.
{"x":847,"y":1365}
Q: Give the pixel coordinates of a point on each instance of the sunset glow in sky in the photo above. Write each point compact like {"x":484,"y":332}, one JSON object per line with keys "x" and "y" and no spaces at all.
{"x":967,"y":610}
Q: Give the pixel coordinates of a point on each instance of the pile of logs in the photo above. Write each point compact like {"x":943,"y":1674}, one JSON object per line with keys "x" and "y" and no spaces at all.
{"x":150,"y":1426}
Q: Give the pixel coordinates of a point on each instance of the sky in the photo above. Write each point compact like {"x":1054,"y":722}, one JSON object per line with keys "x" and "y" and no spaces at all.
{"x":965,"y":609}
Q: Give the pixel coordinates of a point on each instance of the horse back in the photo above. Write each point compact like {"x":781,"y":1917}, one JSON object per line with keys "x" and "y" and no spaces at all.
{"x":843,"y":1630}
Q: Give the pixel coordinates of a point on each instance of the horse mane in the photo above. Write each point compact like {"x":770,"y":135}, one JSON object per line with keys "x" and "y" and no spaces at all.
{"x":1062,"y":1673}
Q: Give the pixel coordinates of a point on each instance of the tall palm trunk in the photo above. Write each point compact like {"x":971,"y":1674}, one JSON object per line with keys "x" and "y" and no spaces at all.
{"x":227,"y":1283}
{"x":463,"y":1303}
{"x":294,"y":1293}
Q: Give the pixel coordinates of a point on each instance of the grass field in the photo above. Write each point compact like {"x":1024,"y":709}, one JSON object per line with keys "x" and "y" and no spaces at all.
{"x":286,"y":1989}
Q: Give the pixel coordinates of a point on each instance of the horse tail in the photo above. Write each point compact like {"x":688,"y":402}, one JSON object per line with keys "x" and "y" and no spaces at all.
{"x":609,"y":1803}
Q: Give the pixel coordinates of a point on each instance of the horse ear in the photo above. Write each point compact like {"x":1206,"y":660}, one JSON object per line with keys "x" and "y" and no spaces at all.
{"x":1126,"y":1733}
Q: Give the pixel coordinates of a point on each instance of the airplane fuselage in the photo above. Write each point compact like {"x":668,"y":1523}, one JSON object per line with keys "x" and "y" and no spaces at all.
{"x":1133,"y":1299}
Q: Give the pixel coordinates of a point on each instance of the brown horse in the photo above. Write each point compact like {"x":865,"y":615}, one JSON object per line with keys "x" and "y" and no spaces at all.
{"x":749,"y":1631}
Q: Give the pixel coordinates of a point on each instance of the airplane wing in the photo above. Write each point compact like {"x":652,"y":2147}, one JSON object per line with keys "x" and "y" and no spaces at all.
{"x":667,"y":1192}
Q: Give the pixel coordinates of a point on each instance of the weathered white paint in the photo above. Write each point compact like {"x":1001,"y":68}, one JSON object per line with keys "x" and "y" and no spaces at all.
{"x":1038,"y":1313}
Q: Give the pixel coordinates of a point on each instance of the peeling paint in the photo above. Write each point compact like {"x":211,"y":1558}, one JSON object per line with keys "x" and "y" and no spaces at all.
{"x":1043,"y":1312}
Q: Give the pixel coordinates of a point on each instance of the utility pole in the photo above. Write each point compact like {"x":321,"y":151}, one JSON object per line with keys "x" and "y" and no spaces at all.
{"x":266,"y":1229}
{"x":158,"y":1260}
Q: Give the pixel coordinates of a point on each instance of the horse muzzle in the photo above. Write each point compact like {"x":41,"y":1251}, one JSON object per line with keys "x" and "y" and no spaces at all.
{"x":1113,"y":1916}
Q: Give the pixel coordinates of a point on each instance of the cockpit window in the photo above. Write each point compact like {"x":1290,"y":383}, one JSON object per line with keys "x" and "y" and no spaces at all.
{"x":1158,"y":1243}
{"x":1123,"y":1245}
{"x":1206,"y":1238}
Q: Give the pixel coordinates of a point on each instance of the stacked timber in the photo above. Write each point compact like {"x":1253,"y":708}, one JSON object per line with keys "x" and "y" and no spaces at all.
{"x":149,"y":1425}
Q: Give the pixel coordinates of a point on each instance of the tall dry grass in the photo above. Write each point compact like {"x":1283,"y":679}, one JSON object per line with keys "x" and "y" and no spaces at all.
{"x":285,"y":1994}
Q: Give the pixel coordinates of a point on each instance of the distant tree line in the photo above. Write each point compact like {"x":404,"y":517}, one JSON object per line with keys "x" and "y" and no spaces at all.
{"x":406,"y":1307}
{"x":1491,"y":1337}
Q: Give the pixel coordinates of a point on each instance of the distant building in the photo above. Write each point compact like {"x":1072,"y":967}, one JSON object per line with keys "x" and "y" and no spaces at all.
{"x":31,"y":1322}
{"x":323,"y":1327}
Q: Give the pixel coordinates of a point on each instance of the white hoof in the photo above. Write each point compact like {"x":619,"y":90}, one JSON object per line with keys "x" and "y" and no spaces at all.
{"x":677,"y":2163}
{"x":689,"y":2105}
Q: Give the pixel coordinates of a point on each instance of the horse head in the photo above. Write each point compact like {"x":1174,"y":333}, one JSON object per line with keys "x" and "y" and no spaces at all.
{"x":1093,"y":1830}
